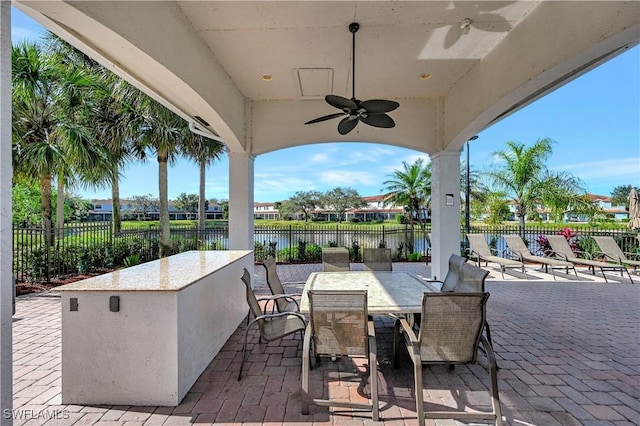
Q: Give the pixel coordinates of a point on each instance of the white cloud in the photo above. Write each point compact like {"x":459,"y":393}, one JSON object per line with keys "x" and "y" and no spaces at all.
{"x":19,"y":34}
{"x":347,"y":178}
{"x":320,"y":157}
{"x":616,"y":168}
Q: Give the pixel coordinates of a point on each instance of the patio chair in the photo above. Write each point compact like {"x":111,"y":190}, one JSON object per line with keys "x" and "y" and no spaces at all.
{"x":480,"y":250}
{"x":464,"y":278}
{"x":612,"y":251}
{"x":521,"y":251}
{"x":377,"y":259}
{"x":272,"y":326}
{"x":339,"y":326}
{"x":450,"y":333}
{"x":560,"y":249}
{"x":335,"y":259}
{"x":282,"y":304}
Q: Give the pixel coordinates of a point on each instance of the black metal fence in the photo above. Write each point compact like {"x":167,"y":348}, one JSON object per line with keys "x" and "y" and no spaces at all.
{"x":83,"y":247}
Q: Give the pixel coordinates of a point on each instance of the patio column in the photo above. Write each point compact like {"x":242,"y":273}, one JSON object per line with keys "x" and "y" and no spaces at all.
{"x":445,"y":210}
{"x":240,"y":201}
{"x":6,"y":257}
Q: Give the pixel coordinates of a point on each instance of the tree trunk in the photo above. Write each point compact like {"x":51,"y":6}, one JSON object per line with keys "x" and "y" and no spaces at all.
{"x":201,"y":201}
{"x":60,"y":206}
{"x":45,"y":208}
{"x":521,"y":212}
{"x":116,"y":221}
{"x":165,"y":231}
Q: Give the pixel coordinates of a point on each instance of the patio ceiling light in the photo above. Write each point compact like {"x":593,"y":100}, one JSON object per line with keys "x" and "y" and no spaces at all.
{"x":465,"y":25}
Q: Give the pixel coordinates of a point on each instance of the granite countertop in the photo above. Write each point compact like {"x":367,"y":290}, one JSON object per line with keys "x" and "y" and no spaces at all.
{"x":171,"y":273}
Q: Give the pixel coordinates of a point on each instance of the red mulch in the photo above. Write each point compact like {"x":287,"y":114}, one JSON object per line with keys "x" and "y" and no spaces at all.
{"x":38,"y":287}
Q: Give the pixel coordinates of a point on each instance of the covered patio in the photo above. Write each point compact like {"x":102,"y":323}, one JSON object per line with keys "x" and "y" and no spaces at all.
{"x":252,"y":73}
{"x":568,"y":351}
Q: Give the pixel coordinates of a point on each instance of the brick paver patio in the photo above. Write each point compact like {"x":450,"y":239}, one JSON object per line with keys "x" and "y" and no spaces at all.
{"x":568,"y":351}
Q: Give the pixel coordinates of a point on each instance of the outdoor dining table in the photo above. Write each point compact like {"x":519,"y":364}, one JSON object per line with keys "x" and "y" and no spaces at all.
{"x":391,"y":292}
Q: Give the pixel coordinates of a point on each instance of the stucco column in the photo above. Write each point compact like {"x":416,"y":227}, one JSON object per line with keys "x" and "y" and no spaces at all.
{"x":445,"y":210}
{"x":241,"y":201}
{"x":6,"y":252}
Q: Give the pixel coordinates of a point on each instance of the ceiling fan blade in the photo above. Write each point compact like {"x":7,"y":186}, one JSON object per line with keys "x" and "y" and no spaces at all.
{"x":378,"y":106}
{"x":340,"y":102}
{"x":325,"y":118}
{"x":347,"y":124}
{"x":379,"y":120}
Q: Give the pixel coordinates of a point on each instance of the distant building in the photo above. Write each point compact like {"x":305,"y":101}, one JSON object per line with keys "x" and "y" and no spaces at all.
{"x":602,"y":201}
{"x":102,"y":210}
{"x":375,"y":210}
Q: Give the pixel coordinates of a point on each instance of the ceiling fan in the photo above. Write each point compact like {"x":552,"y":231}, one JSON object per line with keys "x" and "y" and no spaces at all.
{"x":371,"y":112}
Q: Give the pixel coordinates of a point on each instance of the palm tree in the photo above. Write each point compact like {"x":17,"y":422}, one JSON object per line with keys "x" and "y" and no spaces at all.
{"x":563,"y":193}
{"x":162,"y":133}
{"x":114,"y":121}
{"x":204,"y":152}
{"x":51,"y":135}
{"x":524,"y":178}
{"x":411,"y":188}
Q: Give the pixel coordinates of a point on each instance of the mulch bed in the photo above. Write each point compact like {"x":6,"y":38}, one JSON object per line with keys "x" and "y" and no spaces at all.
{"x":39,"y":287}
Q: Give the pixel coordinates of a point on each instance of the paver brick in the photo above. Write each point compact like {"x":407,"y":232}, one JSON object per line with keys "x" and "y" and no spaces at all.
{"x":566,"y":359}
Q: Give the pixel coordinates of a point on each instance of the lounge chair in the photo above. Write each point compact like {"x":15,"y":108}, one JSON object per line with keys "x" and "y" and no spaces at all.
{"x":480,"y":250}
{"x":561,"y":250}
{"x":377,"y":259}
{"x":450,"y":333}
{"x":612,"y":251}
{"x":339,"y":326}
{"x":521,"y":251}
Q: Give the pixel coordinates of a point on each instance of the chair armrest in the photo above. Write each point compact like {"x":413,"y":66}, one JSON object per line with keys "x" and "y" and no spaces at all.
{"x":406,"y":327}
{"x":509,"y":253}
{"x":293,"y":282}
{"x":583,"y":253}
{"x":553,"y":255}
{"x":280,"y":314}
{"x":274,"y":297}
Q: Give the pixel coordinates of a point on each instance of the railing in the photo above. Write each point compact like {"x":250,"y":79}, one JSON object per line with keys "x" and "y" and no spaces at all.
{"x":92,"y":246}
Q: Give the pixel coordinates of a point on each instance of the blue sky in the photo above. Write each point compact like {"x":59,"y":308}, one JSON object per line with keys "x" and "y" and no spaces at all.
{"x":595,"y":121}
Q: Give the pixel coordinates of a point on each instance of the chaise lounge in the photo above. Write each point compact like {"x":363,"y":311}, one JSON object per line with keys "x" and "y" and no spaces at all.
{"x":521,"y":251}
{"x":561,"y":250}
{"x":481,"y":251}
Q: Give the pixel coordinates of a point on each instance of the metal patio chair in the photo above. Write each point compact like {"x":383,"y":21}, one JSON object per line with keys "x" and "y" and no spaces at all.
{"x":339,"y":326}
{"x":272,"y":326}
{"x":450,"y":333}
{"x":289,"y":303}
{"x":335,"y":259}
{"x":377,"y":259}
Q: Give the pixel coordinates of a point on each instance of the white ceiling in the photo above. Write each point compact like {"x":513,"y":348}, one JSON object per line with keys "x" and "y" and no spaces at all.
{"x":396,"y":43}
{"x":207,"y":59}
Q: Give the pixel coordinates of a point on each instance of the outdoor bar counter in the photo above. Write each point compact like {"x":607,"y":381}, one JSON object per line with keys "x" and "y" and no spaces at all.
{"x":142,"y":335}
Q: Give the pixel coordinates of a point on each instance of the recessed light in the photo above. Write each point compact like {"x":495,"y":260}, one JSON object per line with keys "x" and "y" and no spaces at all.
{"x":425,"y":76}
{"x":267,"y":77}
